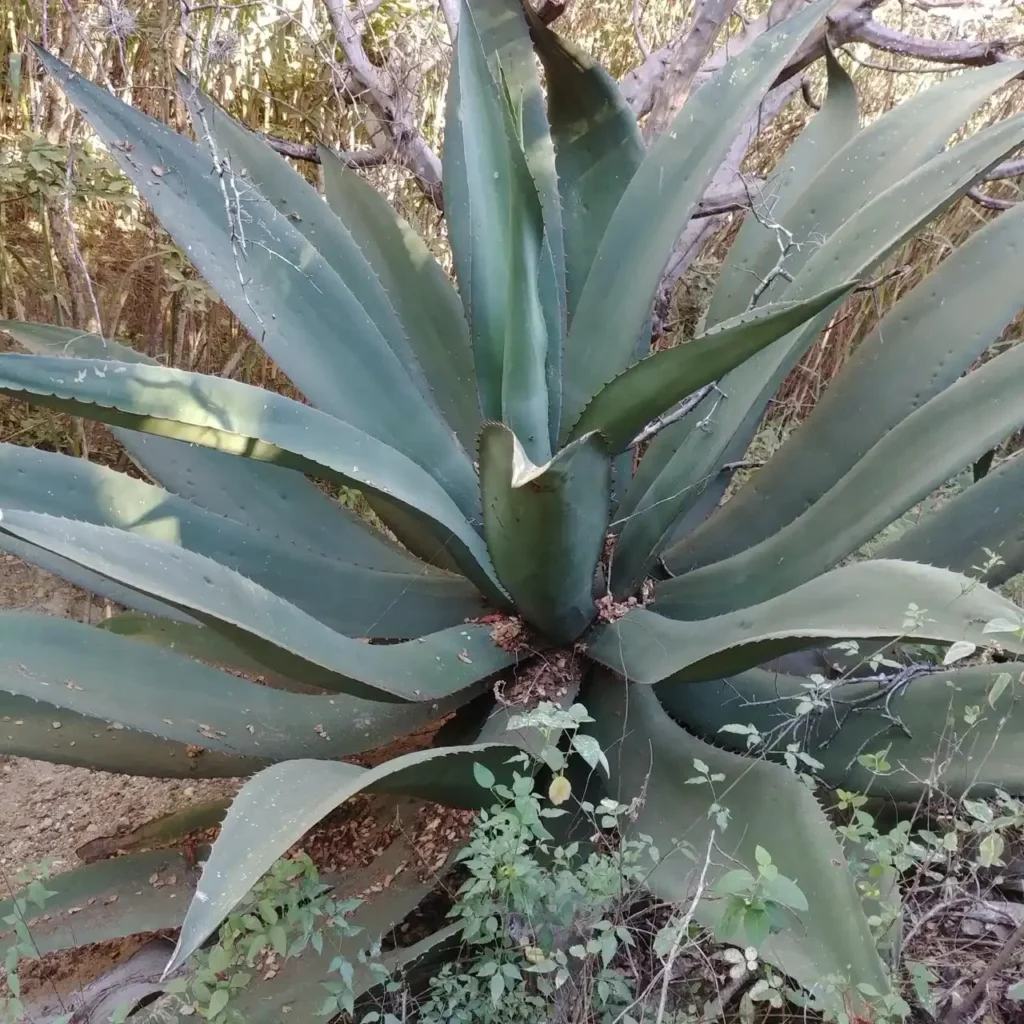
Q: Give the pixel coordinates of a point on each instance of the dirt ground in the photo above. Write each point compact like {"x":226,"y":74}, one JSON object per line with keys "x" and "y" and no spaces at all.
{"x":49,"y":810}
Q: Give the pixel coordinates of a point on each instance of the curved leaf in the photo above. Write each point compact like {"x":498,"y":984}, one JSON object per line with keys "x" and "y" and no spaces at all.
{"x":263,"y":497}
{"x":251,"y":422}
{"x":899,"y":143}
{"x":919,"y":348}
{"x":351,"y":247}
{"x":769,"y":807}
{"x":505,"y":39}
{"x":545,"y":527}
{"x":424,"y":299}
{"x":497,"y":234}
{"x":408,"y":600}
{"x":597,"y":148}
{"x":826,"y":134}
{"x":111,"y":703}
{"x":276,"y":283}
{"x":616,"y":298}
{"x":91,"y":581}
{"x":280,"y":804}
{"x":109,"y":900}
{"x":922,"y":726}
{"x":275,"y":632}
{"x":622,"y":408}
{"x":866,"y":599}
{"x":199,"y":643}
{"x":852,"y":251}
{"x":927,"y":448}
{"x":988,"y":516}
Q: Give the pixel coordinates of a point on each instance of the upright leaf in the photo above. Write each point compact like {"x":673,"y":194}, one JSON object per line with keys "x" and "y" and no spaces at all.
{"x":358,"y":239}
{"x":905,"y":466}
{"x":597,"y":148}
{"x":850,"y":173}
{"x":657,"y":203}
{"x":545,"y":527}
{"x":496,"y":228}
{"x":505,"y":38}
{"x":866,"y":599}
{"x":284,"y":291}
{"x":920,"y":347}
{"x":652,"y":386}
{"x":424,"y":299}
{"x":826,"y":134}
{"x":858,"y":246}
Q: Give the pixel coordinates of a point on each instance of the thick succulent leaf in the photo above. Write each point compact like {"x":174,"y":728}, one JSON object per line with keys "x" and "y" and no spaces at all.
{"x":109,"y":900}
{"x":280,"y":804}
{"x":505,"y":38}
{"x":615,"y":301}
{"x":496,"y":228}
{"x":912,"y":460}
{"x":622,"y":408}
{"x":423,"y":297}
{"x":272,"y":630}
{"x":348,"y":245}
{"x":545,"y":527}
{"x":919,"y":348}
{"x":277,"y":284}
{"x":988,"y":516}
{"x":866,"y":599}
{"x":922,"y":726}
{"x":409,"y":600}
{"x":135,"y":708}
{"x":853,"y":250}
{"x":826,"y":134}
{"x":875,"y":159}
{"x":597,"y":148}
{"x":91,"y":581}
{"x":769,"y":807}
{"x":198,"y":642}
{"x":264,"y":497}
{"x":251,"y":422}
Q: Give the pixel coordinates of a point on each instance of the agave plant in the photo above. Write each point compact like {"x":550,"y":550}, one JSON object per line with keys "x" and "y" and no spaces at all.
{"x":494,"y":427}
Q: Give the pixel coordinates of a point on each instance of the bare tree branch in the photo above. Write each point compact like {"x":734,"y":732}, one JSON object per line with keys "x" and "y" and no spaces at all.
{"x":389,"y":103}
{"x":850,"y":21}
{"x":708,"y":18}
{"x":308,"y":152}
{"x":1007,"y":169}
{"x":865,"y":29}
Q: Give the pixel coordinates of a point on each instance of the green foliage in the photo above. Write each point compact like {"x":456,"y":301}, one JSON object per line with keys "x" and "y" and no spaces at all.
{"x":540,"y":498}
{"x":30,"y":902}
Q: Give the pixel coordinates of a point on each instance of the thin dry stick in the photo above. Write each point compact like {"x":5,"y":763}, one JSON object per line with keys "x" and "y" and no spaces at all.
{"x":954,"y":1014}
{"x":684,"y":928}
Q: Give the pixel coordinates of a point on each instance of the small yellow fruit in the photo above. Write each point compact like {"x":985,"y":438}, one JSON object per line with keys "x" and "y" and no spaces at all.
{"x":560,"y":790}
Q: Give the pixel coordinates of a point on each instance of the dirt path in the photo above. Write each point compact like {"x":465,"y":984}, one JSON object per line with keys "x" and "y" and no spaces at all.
{"x":50,"y":810}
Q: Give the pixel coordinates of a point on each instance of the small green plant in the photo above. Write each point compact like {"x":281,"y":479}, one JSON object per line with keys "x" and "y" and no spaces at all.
{"x":288,"y":911}
{"x":28,"y":903}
